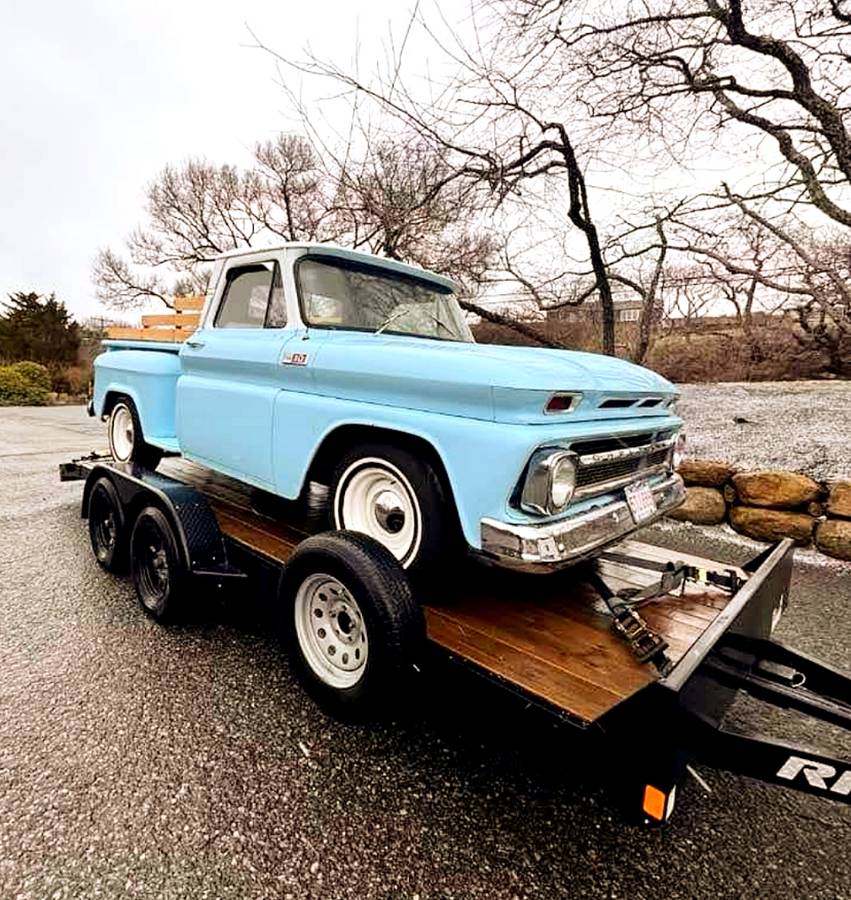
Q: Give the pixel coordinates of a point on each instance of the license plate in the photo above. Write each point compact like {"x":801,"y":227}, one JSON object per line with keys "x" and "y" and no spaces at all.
{"x":639,"y":499}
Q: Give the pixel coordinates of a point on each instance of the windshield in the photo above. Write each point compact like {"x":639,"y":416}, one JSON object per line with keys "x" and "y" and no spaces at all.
{"x":335,"y":294}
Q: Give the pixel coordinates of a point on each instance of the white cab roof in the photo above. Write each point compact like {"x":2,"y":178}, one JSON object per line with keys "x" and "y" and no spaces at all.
{"x":339,"y":252}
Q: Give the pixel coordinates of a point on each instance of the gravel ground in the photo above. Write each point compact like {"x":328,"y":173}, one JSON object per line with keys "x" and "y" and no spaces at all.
{"x":726,"y":541}
{"x":144,"y":762}
{"x":804,"y":426}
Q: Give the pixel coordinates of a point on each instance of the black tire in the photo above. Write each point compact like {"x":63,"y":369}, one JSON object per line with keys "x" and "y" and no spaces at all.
{"x":435,"y":521}
{"x":141,"y":453}
{"x":107,"y":527}
{"x":376,"y":591}
{"x":157,"y":567}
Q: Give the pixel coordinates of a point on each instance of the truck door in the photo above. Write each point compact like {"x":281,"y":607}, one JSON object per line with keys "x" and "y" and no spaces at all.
{"x":231,"y":373}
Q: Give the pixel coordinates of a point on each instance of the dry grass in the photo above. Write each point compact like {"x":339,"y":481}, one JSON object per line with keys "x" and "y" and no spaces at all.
{"x":683,"y":356}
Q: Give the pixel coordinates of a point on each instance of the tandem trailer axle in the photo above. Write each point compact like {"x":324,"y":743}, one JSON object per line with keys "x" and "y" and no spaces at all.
{"x":358,"y":630}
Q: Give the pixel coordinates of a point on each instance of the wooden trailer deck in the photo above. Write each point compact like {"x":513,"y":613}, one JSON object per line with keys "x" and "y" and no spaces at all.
{"x":544,"y":633}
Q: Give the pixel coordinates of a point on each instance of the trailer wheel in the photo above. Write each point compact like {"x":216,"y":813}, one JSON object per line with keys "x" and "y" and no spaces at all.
{"x":353,"y":626}
{"x":107,"y":529}
{"x":156,"y":565}
{"x":126,"y":439}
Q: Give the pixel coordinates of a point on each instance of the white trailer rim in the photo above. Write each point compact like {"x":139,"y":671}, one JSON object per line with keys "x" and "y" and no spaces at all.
{"x":331,"y":631}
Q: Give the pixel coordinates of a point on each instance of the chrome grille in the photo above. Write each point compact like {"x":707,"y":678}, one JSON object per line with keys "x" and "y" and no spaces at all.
{"x":605,"y":464}
{"x":600,"y":473}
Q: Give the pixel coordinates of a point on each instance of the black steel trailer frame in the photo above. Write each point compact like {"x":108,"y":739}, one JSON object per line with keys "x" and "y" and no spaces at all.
{"x":673,"y":721}
{"x":737,"y":653}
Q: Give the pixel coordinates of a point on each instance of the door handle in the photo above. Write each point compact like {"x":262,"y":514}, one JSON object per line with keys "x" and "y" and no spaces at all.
{"x":195,"y":345}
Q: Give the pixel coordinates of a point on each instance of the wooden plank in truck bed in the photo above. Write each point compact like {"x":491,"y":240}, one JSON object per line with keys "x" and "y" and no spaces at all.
{"x":543,"y":633}
{"x":173,"y":320}
{"x":182,"y":304}
{"x":170,"y":327}
{"x":169,"y":335}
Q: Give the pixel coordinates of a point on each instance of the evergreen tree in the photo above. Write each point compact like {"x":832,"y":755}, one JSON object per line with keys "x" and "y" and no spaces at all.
{"x":38,"y":328}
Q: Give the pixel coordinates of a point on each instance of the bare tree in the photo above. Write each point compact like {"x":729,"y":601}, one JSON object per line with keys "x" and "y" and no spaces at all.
{"x":765,"y":262}
{"x":199,"y":210}
{"x":492,"y":125}
{"x":686,"y":70}
{"x":397,"y":199}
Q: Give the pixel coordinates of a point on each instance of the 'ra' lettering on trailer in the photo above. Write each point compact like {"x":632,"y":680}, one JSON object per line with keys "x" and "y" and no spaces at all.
{"x":817,"y":774}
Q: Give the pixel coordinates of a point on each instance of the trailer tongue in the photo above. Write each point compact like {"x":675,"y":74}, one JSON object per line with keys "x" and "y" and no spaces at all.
{"x":644,"y":645}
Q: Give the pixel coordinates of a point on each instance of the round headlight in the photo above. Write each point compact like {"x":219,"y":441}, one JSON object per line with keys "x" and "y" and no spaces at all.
{"x":679,"y":452}
{"x":562,"y":482}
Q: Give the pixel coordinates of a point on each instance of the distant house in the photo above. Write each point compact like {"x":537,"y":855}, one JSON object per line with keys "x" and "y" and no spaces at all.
{"x":627,"y":310}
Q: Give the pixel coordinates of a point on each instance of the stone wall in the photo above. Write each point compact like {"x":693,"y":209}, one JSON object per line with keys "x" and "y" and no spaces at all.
{"x":769,"y":506}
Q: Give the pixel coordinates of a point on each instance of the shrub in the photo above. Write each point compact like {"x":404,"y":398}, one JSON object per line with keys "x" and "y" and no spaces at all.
{"x":17,"y":390}
{"x":35,"y":373}
{"x":72,"y":380}
{"x":775,"y":356}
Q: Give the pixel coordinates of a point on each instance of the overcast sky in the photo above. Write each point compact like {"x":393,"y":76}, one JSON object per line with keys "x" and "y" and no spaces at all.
{"x":96,"y":96}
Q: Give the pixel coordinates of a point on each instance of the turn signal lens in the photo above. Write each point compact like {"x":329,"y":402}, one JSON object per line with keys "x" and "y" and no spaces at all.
{"x":562,"y":402}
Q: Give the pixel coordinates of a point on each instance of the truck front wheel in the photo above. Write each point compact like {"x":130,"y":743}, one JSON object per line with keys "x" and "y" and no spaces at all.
{"x":126,"y":439}
{"x":387,"y":493}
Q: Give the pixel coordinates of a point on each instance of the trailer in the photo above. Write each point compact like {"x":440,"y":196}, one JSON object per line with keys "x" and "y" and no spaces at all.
{"x":641,"y":645}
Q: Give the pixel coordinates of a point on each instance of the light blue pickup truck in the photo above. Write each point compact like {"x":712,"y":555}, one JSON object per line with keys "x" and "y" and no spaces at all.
{"x":319,"y":369}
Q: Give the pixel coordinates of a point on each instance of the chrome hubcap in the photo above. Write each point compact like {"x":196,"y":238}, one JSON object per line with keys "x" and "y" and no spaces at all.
{"x":390,"y":511}
{"x":331,"y":631}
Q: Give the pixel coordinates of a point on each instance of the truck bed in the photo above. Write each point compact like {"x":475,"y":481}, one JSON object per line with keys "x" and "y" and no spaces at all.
{"x":545,"y":634}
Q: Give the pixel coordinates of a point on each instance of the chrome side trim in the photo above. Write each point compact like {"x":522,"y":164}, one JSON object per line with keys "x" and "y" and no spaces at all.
{"x":546,"y":547}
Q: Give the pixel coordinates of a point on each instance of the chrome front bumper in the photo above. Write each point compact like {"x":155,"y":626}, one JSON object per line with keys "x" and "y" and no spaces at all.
{"x":549,"y":546}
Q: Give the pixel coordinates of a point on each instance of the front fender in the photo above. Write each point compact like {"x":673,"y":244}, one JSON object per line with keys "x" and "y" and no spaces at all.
{"x":483,"y":460}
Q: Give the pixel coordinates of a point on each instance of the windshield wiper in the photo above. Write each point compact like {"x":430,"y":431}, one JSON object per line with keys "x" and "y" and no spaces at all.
{"x":443,"y":325}
{"x":390,"y":320}
{"x":401,"y":312}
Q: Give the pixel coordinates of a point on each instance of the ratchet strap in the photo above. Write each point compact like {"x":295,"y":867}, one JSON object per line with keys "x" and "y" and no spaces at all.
{"x":628,"y":624}
{"x":623,"y":604}
{"x":673,"y":575}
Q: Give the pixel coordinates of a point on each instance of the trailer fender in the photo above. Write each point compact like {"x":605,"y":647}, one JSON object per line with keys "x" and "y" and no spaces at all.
{"x":195,"y":525}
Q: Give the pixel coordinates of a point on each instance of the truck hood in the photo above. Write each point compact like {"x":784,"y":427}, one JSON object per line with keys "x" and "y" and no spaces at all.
{"x":490,"y":381}
{"x":554,"y":370}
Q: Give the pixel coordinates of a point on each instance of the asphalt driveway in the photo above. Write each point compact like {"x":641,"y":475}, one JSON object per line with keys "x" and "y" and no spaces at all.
{"x":139,"y":761}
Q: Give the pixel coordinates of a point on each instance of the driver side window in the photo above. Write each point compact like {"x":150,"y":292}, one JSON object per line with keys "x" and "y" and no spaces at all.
{"x":253,"y":298}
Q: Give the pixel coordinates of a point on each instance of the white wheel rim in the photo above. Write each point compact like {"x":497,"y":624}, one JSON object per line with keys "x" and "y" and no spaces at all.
{"x":375,"y":498}
{"x":331,"y":631}
{"x":121,"y":433}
